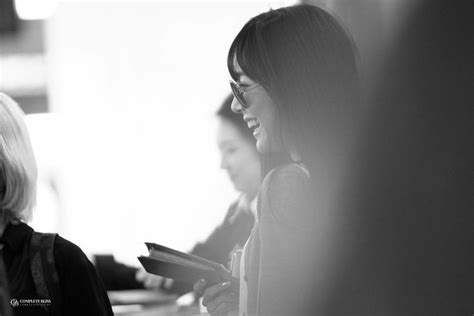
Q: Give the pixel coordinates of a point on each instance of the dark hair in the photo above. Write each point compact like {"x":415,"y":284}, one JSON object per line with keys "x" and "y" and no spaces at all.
{"x":225,"y":112}
{"x":306,"y":62}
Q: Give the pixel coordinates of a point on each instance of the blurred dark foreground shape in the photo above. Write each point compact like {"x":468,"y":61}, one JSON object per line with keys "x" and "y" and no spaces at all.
{"x":414,"y":203}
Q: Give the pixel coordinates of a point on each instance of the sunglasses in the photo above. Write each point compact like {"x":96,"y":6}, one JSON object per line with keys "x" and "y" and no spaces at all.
{"x":238,"y":92}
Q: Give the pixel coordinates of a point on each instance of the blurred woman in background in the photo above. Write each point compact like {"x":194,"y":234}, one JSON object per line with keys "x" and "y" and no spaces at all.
{"x":241,"y":160}
{"x":38,"y":266}
{"x":295,"y":84}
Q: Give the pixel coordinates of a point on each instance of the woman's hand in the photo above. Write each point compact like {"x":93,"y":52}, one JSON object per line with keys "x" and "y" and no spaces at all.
{"x":149,"y":281}
{"x":217,"y":298}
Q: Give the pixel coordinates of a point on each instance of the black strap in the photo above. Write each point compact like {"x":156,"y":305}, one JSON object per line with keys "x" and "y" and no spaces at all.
{"x":5,"y":307}
{"x":44,"y":272}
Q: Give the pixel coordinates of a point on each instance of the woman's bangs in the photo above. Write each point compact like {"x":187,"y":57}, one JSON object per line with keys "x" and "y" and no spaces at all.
{"x":236,"y":51}
{"x":243,"y":49}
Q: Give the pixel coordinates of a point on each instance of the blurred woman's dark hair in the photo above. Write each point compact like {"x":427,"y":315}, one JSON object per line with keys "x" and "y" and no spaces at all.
{"x":225,"y":112}
{"x":306,"y":62}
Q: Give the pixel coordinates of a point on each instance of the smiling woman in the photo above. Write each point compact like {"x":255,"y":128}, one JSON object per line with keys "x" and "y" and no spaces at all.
{"x":260,"y":115}
{"x":295,"y":85}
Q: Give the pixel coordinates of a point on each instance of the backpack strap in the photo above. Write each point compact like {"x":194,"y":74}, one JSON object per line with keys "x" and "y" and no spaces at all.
{"x":44,"y":272}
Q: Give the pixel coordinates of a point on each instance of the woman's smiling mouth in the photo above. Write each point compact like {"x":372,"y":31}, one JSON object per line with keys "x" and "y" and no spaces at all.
{"x":253,"y":124}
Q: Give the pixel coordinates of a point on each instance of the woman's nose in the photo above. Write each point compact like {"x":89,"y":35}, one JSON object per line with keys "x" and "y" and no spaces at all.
{"x":236,"y":106}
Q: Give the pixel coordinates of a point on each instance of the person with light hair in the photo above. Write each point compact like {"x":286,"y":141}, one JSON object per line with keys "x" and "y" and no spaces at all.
{"x":18,"y":165}
{"x":45,"y":268}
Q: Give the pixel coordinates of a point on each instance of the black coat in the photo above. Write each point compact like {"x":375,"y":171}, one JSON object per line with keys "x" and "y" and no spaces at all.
{"x":83,"y":292}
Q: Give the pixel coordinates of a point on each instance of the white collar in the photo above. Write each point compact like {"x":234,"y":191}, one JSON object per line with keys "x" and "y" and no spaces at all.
{"x":243,"y":205}
{"x":253,"y":206}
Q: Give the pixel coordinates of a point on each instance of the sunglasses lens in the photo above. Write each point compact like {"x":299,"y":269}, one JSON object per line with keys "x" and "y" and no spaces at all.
{"x":237,"y":94}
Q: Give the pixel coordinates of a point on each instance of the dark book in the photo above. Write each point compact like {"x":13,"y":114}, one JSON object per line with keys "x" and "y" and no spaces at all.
{"x":184,"y":267}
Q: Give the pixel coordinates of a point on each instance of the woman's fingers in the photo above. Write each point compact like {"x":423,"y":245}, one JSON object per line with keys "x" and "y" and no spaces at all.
{"x":152,"y":281}
{"x":224,"y":309}
{"x":149,"y":281}
{"x":200,"y":286}
{"x":140,"y":275}
{"x":222,"y":301}
{"x":212,"y":291}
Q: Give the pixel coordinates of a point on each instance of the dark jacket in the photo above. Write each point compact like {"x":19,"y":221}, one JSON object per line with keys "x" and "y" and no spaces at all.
{"x":82,"y":290}
{"x":279,"y":261}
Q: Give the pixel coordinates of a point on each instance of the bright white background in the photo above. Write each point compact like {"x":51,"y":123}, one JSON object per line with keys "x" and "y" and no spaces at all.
{"x":130,"y":144}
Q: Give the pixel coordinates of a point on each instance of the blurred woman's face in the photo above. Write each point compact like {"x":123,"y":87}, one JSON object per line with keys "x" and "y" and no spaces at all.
{"x":260,"y":114}
{"x":239,"y":158}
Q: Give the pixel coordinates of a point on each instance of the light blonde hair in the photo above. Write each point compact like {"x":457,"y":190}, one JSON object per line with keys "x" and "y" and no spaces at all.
{"x":18,"y":172}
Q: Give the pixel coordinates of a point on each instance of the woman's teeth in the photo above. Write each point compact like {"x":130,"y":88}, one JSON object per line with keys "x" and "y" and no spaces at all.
{"x":256,"y":131}
{"x":255,"y":125}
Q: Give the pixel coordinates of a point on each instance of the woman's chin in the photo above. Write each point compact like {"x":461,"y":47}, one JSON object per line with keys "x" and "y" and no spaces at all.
{"x":261,"y":148}
{"x":238,"y":187}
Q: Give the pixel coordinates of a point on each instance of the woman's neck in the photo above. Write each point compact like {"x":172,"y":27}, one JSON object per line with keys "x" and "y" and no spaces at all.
{"x":273,"y":160}
{"x":295,"y":156}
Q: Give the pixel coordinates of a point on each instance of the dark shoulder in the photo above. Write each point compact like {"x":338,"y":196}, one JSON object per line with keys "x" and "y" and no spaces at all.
{"x":64,"y":246}
{"x":230,"y":211}
{"x":68,"y":255}
{"x":82,"y":289}
{"x":286,"y":192}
